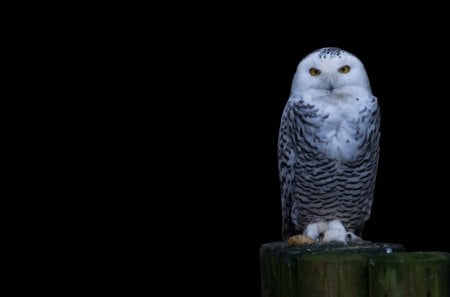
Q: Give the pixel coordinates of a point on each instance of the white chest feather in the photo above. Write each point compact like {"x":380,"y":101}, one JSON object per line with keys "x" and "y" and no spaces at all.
{"x":338,"y":137}
{"x":340,"y":126}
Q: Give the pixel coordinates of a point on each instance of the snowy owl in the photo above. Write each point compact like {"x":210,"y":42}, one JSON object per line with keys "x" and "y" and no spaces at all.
{"x":328,"y":148}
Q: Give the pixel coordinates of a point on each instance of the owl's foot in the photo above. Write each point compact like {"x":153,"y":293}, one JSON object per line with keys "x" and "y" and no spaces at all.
{"x":329,"y":231}
{"x":339,"y":236}
{"x":316,"y":231}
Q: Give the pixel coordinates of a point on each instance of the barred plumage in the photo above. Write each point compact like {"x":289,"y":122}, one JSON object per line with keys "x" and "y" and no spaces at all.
{"x":328,"y":144}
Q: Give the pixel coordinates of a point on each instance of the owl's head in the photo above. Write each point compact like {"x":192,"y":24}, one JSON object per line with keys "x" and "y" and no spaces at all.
{"x":330,"y":70}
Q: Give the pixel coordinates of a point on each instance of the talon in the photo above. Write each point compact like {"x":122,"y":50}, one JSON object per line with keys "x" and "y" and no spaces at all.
{"x":348,"y":237}
{"x":353,"y":237}
{"x":320,"y":238}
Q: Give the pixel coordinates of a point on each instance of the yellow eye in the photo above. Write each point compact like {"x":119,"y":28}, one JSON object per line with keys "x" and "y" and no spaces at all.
{"x":314,"y":71}
{"x":344,"y":69}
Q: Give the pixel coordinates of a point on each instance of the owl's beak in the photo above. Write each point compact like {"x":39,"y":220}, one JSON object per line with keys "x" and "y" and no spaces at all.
{"x":329,"y":81}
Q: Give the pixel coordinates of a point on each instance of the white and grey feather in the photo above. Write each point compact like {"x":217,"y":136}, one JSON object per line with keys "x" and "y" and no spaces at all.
{"x":328,"y":144}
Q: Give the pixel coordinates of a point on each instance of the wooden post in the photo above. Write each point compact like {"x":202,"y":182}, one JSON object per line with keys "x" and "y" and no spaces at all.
{"x":333,"y":275}
{"x":424,"y":274}
{"x":319,"y":270}
{"x":361,"y":269}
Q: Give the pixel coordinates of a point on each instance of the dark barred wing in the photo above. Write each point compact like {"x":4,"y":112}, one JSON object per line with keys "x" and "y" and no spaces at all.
{"x":286,"y":170}
{"x":290,"y":142}
{"x":360,"y":187}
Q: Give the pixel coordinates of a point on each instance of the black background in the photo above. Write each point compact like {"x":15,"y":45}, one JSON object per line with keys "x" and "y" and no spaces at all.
{"x":227,"y":90}
{"x":178,"y":113}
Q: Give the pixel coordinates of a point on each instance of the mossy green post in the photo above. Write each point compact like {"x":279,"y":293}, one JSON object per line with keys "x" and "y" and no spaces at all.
{"x":332,"y":275}
{"x":361,"y":269}
{"x":424,"y":274}
{"x":319,"y":270}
